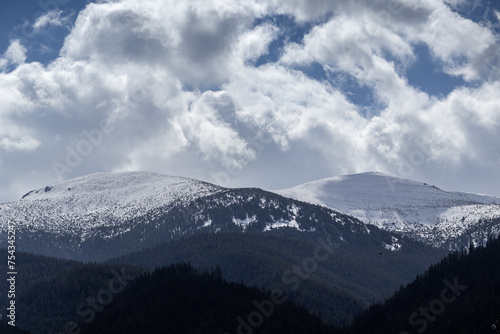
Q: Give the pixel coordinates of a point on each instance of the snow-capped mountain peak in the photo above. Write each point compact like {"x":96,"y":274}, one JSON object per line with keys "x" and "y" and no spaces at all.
{"x":145,"y":208}
{"x":98,"y":199}
{"x":373,"y":190}
{"x":400,"y":205}
{"x":121,"y":188}
{"x":116,"y":213}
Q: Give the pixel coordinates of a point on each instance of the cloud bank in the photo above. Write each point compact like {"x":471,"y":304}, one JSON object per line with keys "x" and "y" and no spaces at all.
{"x":264,"y":93}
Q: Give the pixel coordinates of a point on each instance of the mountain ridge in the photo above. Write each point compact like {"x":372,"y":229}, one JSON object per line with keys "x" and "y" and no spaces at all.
{"x":210,"y":218}
{"x":107,"y":205}
{"x":100,"y":199}
{"x":417,"y":209}
{"x":141,"y":209}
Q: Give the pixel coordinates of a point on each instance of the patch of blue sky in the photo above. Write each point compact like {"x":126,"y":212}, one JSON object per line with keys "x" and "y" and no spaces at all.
{"x":362,"y":96}
{"x":427,"y":74}
{"x":314,"y":71}
{"x":292,"y":32}
{"x":289,"y":32}
{"x":357,"y":93}
{"x":16,"y":23}
{"x":480,"y":11}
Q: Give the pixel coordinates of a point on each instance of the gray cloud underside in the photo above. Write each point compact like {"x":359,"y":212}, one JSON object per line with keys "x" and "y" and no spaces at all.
{"x":170,"y":86}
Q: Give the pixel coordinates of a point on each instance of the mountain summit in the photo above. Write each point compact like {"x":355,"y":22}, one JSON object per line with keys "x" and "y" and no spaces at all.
{"x":102,"y":215}
{"x":147,"y":219}
{"x":89,"y":202}
{"x":417,"y":209}
{"x":95,"y":216}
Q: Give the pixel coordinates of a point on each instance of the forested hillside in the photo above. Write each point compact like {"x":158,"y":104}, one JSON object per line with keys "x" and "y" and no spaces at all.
{"x":179,"y":299}
{"x":461,"y":294}
{"x":7,"y":329}
{"x":50,"y":290}
{"x":358,"y":271}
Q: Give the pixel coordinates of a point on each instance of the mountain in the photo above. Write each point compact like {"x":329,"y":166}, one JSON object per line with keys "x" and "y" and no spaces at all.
{"x":357,"y":272}
{"x":180,"y":299}
{"x":49,"y":291}
{"x":415,"y":209}
{"x":5,"y":328}
{"x":458,"y":295}
{"x":104,"y":215}
{"x":82,"y":206}
{"x":73,"y":218}
{"x":331,"y":263}
{"x":258,"y":237}
{"x":64,"y":296}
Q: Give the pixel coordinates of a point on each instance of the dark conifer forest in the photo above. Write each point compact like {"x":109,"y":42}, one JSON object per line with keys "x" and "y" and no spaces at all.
{"x":460,"y":294}
{"x":179,"y":299}
{"x":5,"y":328}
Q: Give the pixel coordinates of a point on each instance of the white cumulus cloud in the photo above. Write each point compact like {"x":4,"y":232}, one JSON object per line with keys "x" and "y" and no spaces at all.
{"x":15,"y":54}
{"x":173,"y":87}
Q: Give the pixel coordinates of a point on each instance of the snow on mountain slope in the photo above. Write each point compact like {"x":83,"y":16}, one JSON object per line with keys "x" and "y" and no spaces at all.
{"x":152,"y":208}
{"x":480,"y":198}
{"x":104,"y":215}
{"x":421,"y":210}
{"x":98,"y":199}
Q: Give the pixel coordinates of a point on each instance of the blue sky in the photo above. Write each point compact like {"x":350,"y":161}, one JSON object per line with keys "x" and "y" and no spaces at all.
{"x":262,"y":93}
{"x":43,"y":46}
